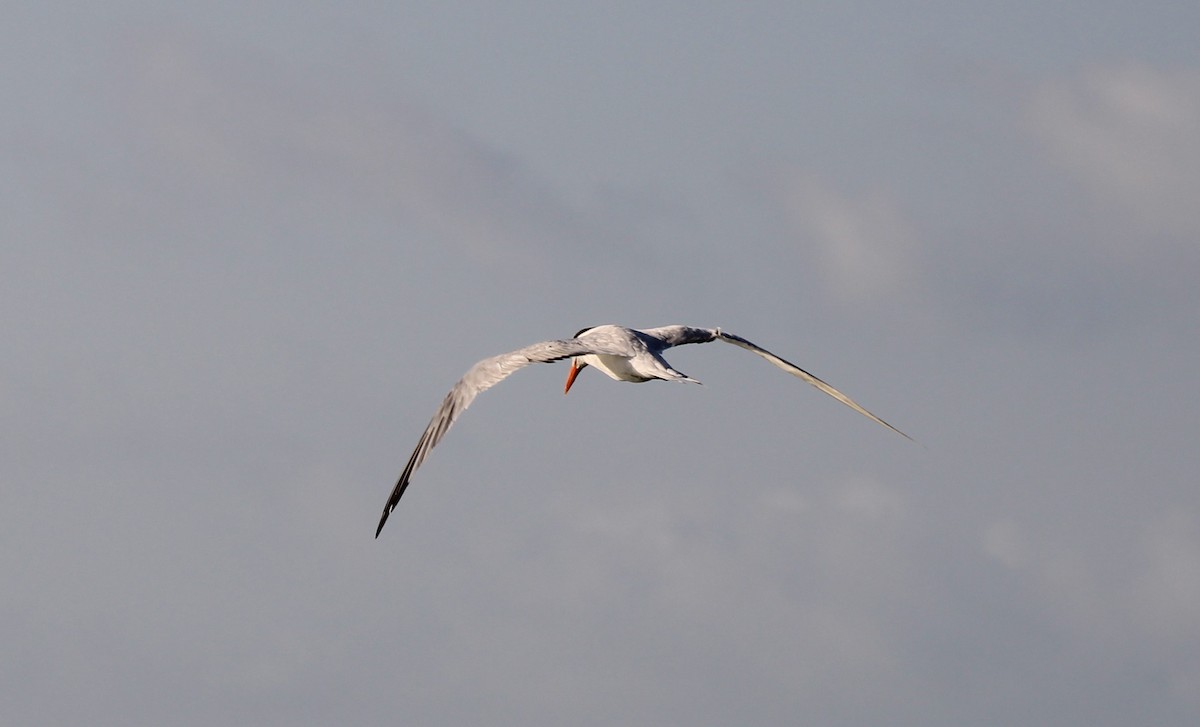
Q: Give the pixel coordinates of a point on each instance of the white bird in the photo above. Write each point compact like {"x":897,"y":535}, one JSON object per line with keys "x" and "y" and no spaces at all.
{"x":623,"y":354}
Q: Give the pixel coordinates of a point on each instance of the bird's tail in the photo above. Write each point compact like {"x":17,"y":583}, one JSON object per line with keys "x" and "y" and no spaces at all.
{"x":680,"y":376}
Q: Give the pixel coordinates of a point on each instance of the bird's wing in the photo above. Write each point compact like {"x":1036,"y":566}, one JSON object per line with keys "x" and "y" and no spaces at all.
{"x":479,"y":378}
{"x":795,"y":370}
{"x":665,"y":337}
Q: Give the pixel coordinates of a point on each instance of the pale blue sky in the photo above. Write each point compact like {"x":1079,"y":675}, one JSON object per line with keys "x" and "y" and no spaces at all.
{"x":245,"y":251}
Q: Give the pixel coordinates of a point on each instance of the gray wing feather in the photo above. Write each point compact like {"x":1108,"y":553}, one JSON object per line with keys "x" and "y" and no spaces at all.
{"x":795,"y":370}
{"x":479,"y":378}
{"x":669,"y":336}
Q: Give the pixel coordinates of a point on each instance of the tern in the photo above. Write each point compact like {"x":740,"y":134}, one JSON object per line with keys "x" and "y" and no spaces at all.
{"x":623,"y":354}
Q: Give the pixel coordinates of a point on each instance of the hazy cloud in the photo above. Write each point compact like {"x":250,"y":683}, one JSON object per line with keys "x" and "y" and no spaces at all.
{"x":863,"y":247}
{"x":1131,"y":134}
{"x":242,"y":126}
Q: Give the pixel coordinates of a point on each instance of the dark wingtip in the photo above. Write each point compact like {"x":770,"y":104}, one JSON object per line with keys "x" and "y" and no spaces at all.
{"x":386,"y":511}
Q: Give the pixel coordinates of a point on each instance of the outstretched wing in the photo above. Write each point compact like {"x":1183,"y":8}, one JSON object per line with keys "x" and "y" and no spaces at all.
{"x":795,"y":370}
{"x":664,"y":337}
{"x":479,"y":378}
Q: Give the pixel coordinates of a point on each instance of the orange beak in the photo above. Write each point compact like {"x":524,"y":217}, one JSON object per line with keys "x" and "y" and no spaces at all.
{"x":575,"y":369}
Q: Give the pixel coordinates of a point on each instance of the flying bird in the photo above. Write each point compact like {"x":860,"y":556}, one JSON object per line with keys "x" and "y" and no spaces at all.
{"x":623,"y":354}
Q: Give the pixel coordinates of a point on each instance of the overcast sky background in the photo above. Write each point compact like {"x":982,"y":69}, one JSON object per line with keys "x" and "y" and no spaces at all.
{"x":245,"y":249}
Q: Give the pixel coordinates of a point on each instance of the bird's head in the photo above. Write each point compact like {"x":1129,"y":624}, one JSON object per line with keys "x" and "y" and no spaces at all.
{"x":577,"y":364}
{"x":576,"y":367}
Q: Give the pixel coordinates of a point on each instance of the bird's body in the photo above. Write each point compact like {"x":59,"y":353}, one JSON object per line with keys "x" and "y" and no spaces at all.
{"x":623,"y":354}
{"x":640,"y":358}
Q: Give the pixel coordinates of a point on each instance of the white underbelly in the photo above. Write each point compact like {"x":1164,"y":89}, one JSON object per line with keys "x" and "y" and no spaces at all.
{"x":616,"y":367}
